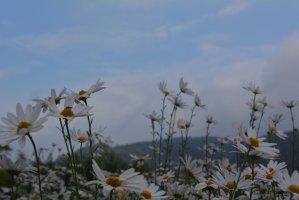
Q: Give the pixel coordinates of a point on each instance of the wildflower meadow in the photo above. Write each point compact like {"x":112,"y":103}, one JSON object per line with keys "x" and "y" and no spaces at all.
{"x":252,"y":170}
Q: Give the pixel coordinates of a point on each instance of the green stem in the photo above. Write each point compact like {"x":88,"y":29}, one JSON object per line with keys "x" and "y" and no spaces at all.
{"x":74,"y":166}
{"x":161,"y":132}
{"x":293,"y":141}
{"x":89,"y":133}
{"x":38,"y":166}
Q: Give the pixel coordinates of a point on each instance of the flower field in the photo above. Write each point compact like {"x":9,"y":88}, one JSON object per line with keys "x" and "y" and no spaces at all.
{"x":256,"y":172}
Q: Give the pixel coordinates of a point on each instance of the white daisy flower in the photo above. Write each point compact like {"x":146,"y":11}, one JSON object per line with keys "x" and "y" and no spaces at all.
{"x":278,"y":133}
{"x":257,"y":146}
{"x":226,"y":166}
{"x":183,"y":124}
{"x":198,"y":103}
{"x":184,"y":89}
{"x":289,"y":183}
{"x":84,"y":94}
{"x":272,"y":172}
{"x":165,"y":177}
{"x":152,"y":192}
{"x":164,"y":90}
{"x":205,"y":184}
{"x":252,"y":87}
{"x":18,"y":126}
{"x":128,"y":180}
{"x":178,"y":102}
{"x":69,"y":111}
{"x":78,"y":136}
{"x":192,"y":167}
{"x":230,"y":181}
{"x":57,"y":99}
{"x":154,"y":117}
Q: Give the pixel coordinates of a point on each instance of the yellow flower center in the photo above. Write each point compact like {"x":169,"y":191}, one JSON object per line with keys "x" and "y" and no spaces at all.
{"x":273,"y":130}
{"x":146,"y":194}
{"x":165,"y":177}
{"x":182,"y":126}
{"x":294,"y":188}
{"x":269,"y":176}
{"x":81,"y":138}
{"x":231,"y":185}
{"x":254,"y":142}
{"x":67,"y":112}
{"x":270,"y":169}
{"x":166,"y":93}
{"x":209,"y":182}
{"x":113,"y":181}
{"x":247,"y":177}
{"x":82,"y":92}
{"x":229,"y":168}
{"x":23,"y":124}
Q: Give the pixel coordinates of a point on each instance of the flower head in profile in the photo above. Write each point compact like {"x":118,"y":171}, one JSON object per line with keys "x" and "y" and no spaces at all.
{"x":252,"y":87}
{"x":129,"y":180}
{"x":178,"y":102}
{"x":279,"y":133}
{"x":152,"y":192}
{"x":184,"y":89}
{"x":276,"y":118}
{"x":154,"y":117}
{"x":210,"y":120}
{"x":18,"y":125}
{"x":84,"y":94}
{"x":78,"y":136}
{"x":290,"y":104}
{"x":100,"y":137}
{"x":57,"y":99}
{"x":198,"y":103}
{"x":183,"y":124}
{"x":70,"y":111}
{"x":163,"y":88}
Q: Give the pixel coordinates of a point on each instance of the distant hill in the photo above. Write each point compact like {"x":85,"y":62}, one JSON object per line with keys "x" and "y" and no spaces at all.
{"x":120,"y":155}
{"x":142,"y":148}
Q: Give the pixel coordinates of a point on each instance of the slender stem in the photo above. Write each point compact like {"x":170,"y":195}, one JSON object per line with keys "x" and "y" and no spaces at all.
{"x":252,"y":178}
{"x":12,"y":187}
{"x":161,"y":132}
{"x":293,"y":141}
{"x":38,"y":166}
{"x":74,"y":166}
{"x":251,"y":122}
{"x":206,"y":150}
{"x":89,"y":133}
{"x":154,"y":151}
{"x":260,"y":122}
{"x":111,"y":195}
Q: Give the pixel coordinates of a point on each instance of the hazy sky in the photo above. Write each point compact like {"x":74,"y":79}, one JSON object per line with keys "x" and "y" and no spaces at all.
{"x":217,"y":46}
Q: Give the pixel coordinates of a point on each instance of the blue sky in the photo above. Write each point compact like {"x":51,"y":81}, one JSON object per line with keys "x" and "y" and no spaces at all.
{"x":217,"y":46}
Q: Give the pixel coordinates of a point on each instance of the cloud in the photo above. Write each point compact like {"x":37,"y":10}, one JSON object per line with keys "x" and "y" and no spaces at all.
{"x":233,"y":9}
{"x":280,"y":77}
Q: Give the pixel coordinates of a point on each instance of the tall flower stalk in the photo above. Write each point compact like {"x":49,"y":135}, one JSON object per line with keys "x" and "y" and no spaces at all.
{"x":290,"y":105}
{"x":37,"y":165}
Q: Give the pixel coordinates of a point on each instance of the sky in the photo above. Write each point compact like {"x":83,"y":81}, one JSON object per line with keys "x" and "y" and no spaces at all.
{"x":216,"y":46}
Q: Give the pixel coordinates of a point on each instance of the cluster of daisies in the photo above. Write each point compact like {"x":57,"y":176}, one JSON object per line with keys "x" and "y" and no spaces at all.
{"x":255,"y":174}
